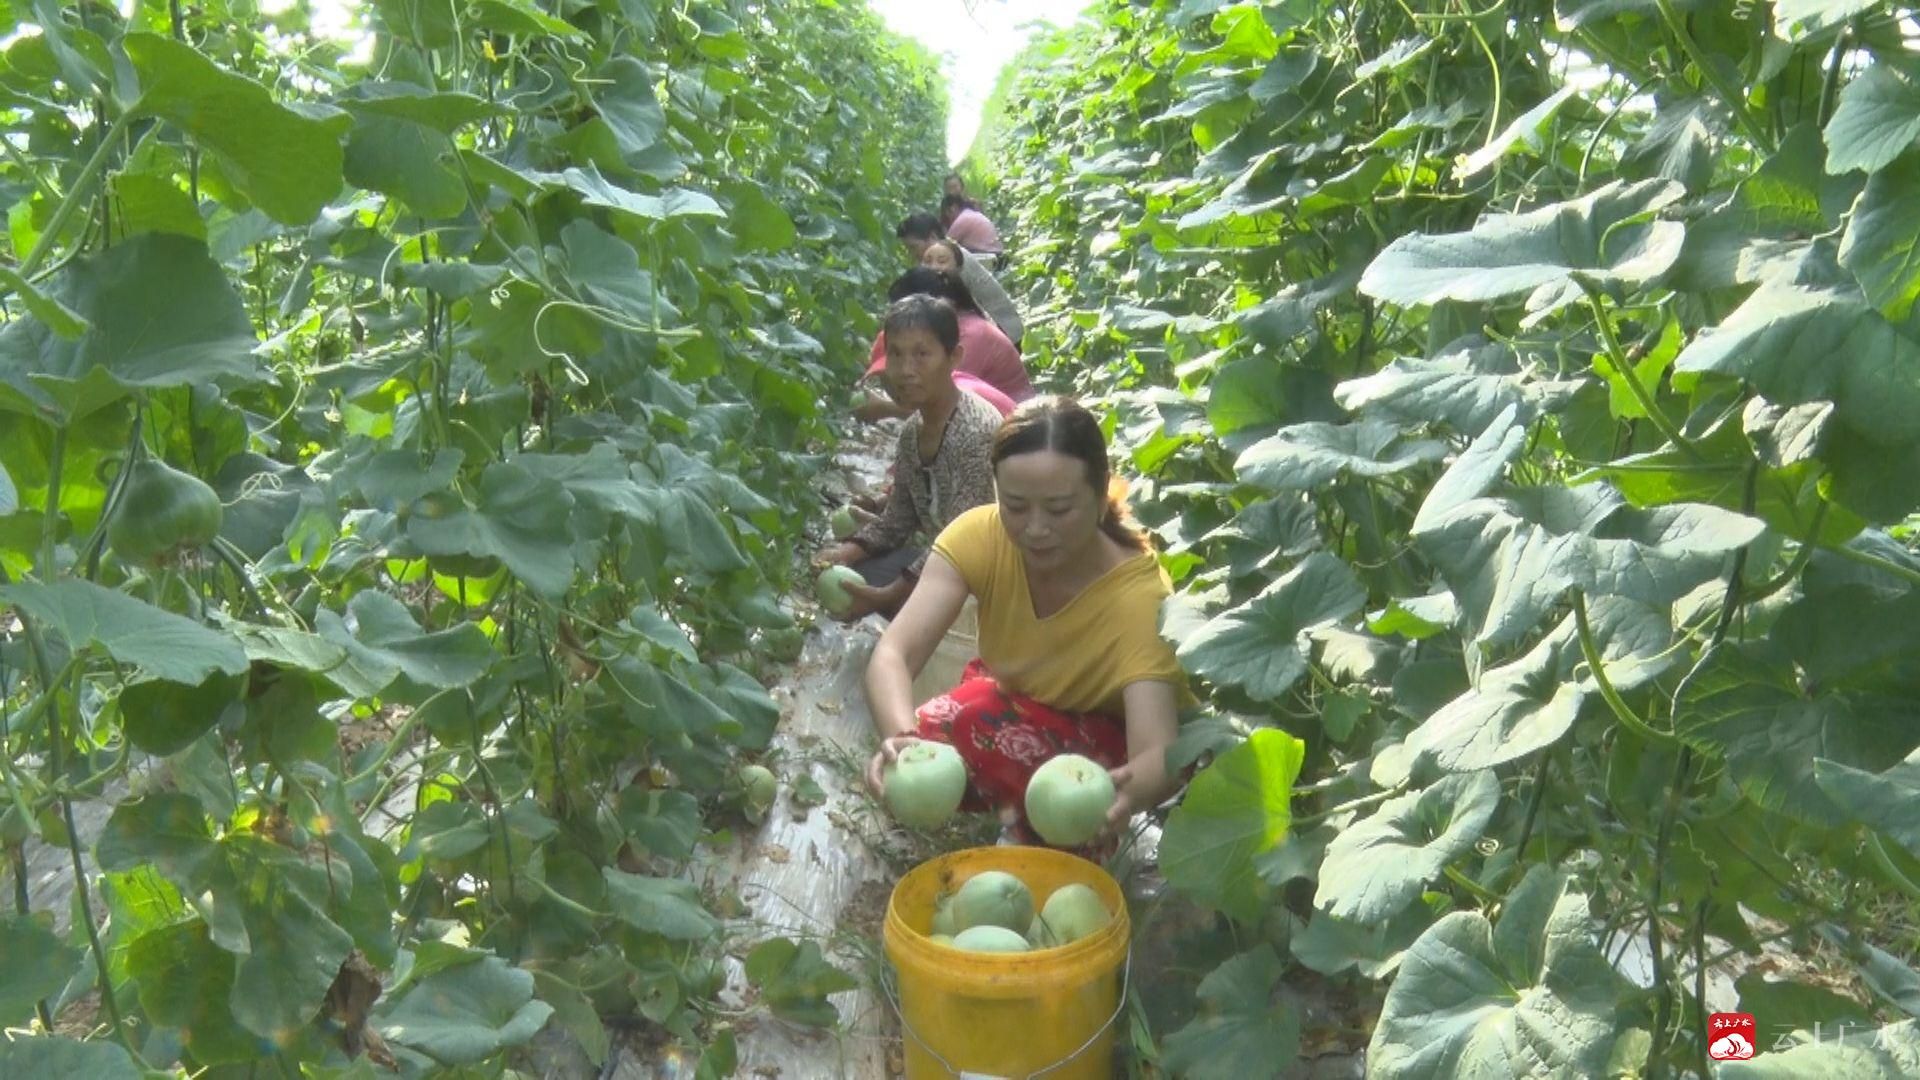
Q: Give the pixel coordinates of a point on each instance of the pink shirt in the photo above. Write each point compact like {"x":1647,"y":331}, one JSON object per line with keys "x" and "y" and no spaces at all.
{"x":972,"y":230}
{"x":985,"y":353}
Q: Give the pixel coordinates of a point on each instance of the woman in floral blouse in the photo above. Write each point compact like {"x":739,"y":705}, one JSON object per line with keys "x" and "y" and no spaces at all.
{"x":941,"y":465}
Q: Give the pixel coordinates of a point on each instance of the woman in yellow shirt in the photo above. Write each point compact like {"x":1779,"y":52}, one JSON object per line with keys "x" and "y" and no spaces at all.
{"x":1071,"y":658}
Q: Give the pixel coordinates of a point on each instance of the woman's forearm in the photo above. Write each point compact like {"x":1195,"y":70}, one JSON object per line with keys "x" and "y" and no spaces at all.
{"x":890,"y":691}
{"x":1148,"y":782}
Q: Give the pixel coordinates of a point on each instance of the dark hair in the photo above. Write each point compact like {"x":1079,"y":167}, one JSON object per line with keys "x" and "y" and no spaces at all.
{"x":1064,"y":426}
{"x":953,"y":202}
{"x":919,"y":311}
{"x":925,"y":279}
{"x":919,"y":227}
{"x":959,"y":253}
{"x":956,"y":176}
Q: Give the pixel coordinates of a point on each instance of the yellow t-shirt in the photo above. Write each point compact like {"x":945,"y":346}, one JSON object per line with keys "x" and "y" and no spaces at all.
{"x":1082,"y":657}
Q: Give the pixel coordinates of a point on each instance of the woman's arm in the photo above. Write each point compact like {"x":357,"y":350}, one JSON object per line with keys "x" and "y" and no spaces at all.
{"x":901,"y":655}
{"x":1153,"y":721}
{"x":908,"y":643}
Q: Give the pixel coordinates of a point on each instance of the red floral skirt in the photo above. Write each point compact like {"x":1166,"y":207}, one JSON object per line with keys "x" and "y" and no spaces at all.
{"x":1003,"y":737}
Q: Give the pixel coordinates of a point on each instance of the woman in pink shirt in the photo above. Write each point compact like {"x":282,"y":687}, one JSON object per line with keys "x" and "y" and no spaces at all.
{"x":985,"y":351}
{"x":969,"y":227}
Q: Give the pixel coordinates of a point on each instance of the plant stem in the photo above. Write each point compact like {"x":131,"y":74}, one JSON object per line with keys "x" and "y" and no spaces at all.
{"x":1624,"y":366}
{"x":1655,"y":945}
{"x":50,"y":520}
{"x":1484,"y":894}
{"x":56,"y":751}
{"x":1904,"y":573}
{"x":23,"y":903}
{"x":1735,"y":100}
{"x":1597,"y":665}
{"x":1540,"y":777}
{"x":75,"y":194}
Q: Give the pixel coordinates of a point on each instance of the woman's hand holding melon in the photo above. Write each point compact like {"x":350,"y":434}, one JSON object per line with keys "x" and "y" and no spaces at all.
{"x":888,"y":753}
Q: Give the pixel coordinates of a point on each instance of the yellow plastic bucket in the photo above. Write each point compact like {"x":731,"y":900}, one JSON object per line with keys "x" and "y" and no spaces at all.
{"x":1050,"y":1012}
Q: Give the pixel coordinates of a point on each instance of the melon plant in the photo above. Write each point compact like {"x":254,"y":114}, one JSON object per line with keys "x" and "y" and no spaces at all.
{"x":993,"y":898}
{"x":831,"y":588}
{"x":1068,"y":798}
{"x":429,"y":337}
{"x":1524,"y":396}
{"x":925,"y":784}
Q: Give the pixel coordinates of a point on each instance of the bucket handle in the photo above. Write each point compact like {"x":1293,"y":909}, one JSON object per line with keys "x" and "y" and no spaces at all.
{"x":893,"y":999}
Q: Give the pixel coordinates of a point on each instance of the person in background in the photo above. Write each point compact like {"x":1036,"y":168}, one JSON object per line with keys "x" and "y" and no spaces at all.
{"x":1071,"y":658}
{"x":954,"y":185}
{"x":951,"y":259}
{"x":940,"y":465}
{"x":984,"y":350}
{"x":919,"y":233}
{"x":970,"y":229}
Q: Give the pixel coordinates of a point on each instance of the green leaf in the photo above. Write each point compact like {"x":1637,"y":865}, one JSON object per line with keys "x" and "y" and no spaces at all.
{"x":519,"y":520}
{"x":1544,"y":1002}
{"x":1891,"y":1051}
{"x":1887,"y":801}
{"x":383,"y":642}
{"x":1377,"y":866}
{"x":1798,"y":344}
{"x":444,"y":111}
{"x":133,"y":632}
{"x":57,"y":317}
{"x":674,"y":203}
{"x":1598,"y":238}
{"x":453,"y":280}
{"x":185,"y":982}
{"x":1260,"y":647}
{"x":1235,"y":809}
{"x":575,"y":1012}
{"x":50,"y":1056}
{"x":150,"y":202}
{"x":666,"y":823}
{"x":522,"y":18}
{"x":1745,"y":704}
{"x":625,"y":97}
{"x":34,"y":964}
{"x":1523,"y":131}
{"x":1240,"y":1032}
{"x":760,"y":222}
{"x":466,"y":1014}
{"x":1510,"y":558}
{"x":796,"y":980}
{"x":1308,"y":456}
{"x":1877,"y":120}
{"x":1332,"y":945}
{"x":167,"y":829}
{"x":1798,"y":19}
{"x":162,"y":717}
{"x":286,"y":163}
{"x":1531,"y":703}
{"x":407,"y":161}
{"x":160,"y":312}
{"x":1465,"y":386}
{"x":1882,"y":242}
{"x":664,"y":906}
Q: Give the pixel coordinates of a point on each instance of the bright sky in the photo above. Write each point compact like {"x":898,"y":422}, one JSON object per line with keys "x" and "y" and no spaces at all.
{"x":972,"y":47}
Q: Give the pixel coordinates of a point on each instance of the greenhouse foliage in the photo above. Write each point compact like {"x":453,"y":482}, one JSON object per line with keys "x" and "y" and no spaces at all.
{"x":1526,"y":394}
{"x":505,"y":352}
